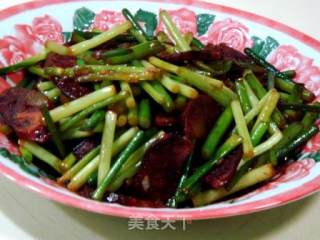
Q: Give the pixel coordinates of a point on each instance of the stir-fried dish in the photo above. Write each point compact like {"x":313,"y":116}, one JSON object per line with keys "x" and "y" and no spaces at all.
{"x":162,"y":121}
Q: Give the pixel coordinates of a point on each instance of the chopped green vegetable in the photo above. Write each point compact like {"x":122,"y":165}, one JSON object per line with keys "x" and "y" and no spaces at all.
{"x":167,"y":104}
{"x":54,"y":131}
{"x":42,"y":154}
{"x":26,"y":154}
{"x":195,"y":42}
{"x":68,"y":162}
{"x":123,"y":157}
{"x":174,"y":31}
{"x":99,"y":39}
{"x":144,"y":113}
{"x":38,"y":71}
{"x":253,"y":177}
{"x":259,"y":90}
{"x":132,"y":164}
{"x":79,"y":104}
{"x":106,"y":145}
{"x":242,"y":129}
{"x":300,"y":107}
{"x":133,"y":119}
{"x":217,"y":132}
{"x":116,"y":52}
{"x":53,"y":94}
{"x":94,"y":119}
{"x":271,"y":80}
{"x":25,"y":63}
{"x":172,"y":202}
{"x":84,"y":174}
{"x":301,"y":139}
{"x":139,"y":51}
{"x":45,"y":86}
{"x":55,"y":47}
{"x":130,"y":101}
{"x":243,"y":96}
{"x":231,"y":143}
{"x":136,"y":30}
{"x":213,"y":87}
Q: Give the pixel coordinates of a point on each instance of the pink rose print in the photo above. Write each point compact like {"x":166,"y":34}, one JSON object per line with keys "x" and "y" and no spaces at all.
{"x":5,"y":143}
{"x":107,"y":19}
{"x":29,"y":40}
{"x":311,"y":78}
{"x":12,"y":51}
{"x":264,"y":188}
{"x":230,"y":32}
{"x":185,"y":20}
{"x":293,"y":172}
{"x":296,"y":170}
{"x":47,"y":28}
{"x":43,"y":29}
{"x":287,"y":57}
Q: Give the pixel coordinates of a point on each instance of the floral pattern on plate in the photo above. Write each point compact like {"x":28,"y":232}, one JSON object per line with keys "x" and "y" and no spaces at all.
{"x":30,"y":39}
{"x":107,"y":19}
{"x":231,"y":32}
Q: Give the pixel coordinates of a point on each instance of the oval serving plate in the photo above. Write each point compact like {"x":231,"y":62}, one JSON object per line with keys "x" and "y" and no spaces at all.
{"x":26,"y":27}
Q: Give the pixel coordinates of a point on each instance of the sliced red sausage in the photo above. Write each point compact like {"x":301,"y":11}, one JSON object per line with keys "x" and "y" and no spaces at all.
{"x":225,"y":170}
{"x":198,"y":116}
{"x":71,"y":88}
{"x":56,"y":60}
{"x":20,"y":109}
{"x":161,"y":169}
{"x":166,"y":120}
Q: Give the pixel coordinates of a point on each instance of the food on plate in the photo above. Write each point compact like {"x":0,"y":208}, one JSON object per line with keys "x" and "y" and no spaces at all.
{"x":154,"y":121}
